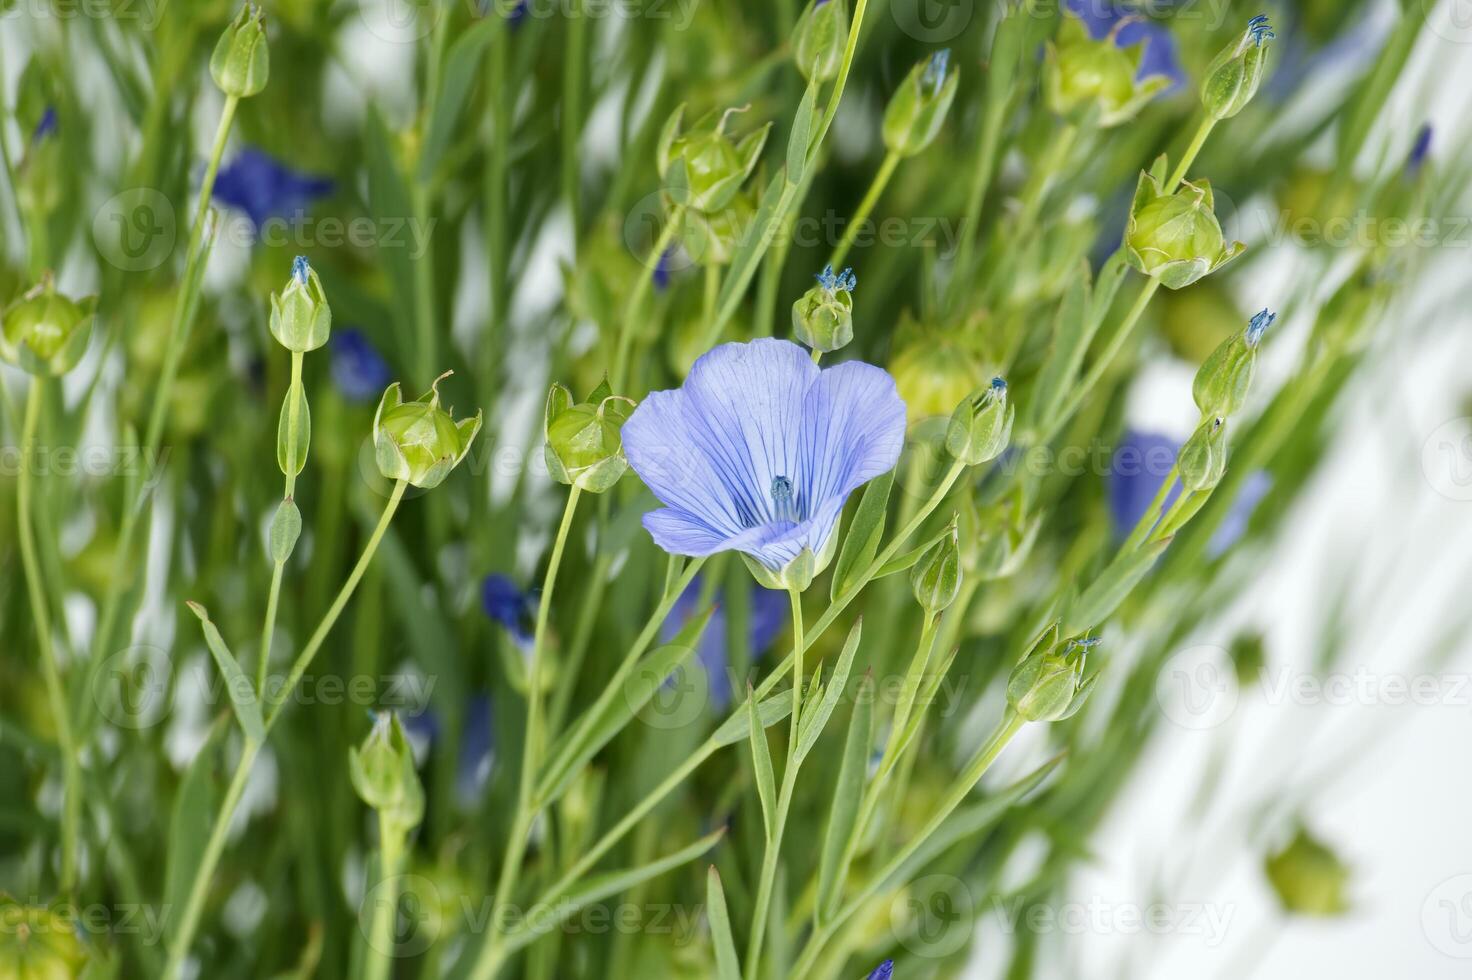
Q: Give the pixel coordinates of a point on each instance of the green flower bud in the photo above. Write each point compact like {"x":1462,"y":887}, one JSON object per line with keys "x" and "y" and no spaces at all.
{"x":1175,"y":237}
{"x":41,"y":183}
{"x":1203,"y":459}
{"x":1094,"y":81}
{"x":704,"y":167}
{"x":383,"y":774}
{"x":300,"y":316}
{"x":933,"y":373}
{"x":1234,"y":75}
{"x":584,"y":440}
{"x":242,"y":61}
{"x":823,"y":317}
{"x":936,"y":577}
{"x":916,"y":111}
{"x":1222,"y":382}
{"x":1309,"y":877}
{"x":38,"y":944}
{"x":418,"y":441}
{"x":981,"y":425}
{"x":1050,"y":683}
{"x":819,"y":39}
{"x":44,"y":332}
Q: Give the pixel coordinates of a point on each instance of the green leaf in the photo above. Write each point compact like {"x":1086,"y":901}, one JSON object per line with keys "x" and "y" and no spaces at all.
{"x":1110,"y":588}
{"x":843,"y":812}
{"x":291,"y":454}
{"x":543,"y":919}
{"x":816,"y":720}
{"x":909,"y":558}
{"x":242,"y":692}
{"x":190,"y":823}
{"x":728,"y":966}
{"x":761,"y":757}
{"x":799,"y":140}
{"x":459,"y":75}
{"x":861,"y":542}
{"x":1071,"y":338}
{"x":754,"y":244}
{"x":769,"y":712}
{"x":389,"y":203}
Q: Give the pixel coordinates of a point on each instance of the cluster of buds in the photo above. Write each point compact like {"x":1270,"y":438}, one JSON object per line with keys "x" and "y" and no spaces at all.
{"x":242,"y":61}
{"x":819,"y":39}
{"x":703,"y":170}
{"x":1234,"y":75}
{"x":1052,"y":681}
{"x":419,"y":442}
{"x":981,"y":426}
{"x":45,"y":333}
{"x":918,"y":108}
{"x":1219,"y":389}
{"x":823,"y":317}
{"x":1095,"y":81}
{"x":1173,"y":234}
{"x":383,"y":774}
{"x":585,"y":439}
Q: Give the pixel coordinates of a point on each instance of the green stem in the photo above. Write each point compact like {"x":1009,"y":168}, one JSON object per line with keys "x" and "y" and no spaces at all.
{"x":572,"y":111}
{"x":521,"y":822}
{"x":427,"y":356}
{"x":1208,"y":123}
{"x":205,"y":870}
{"x":386,"y":900}
{"x":1035,"y":191}
{"x":1147,"y":520}
{"x":71,"y":811}
{"x":636,"y":298}
{"x":278,"y":569}
{"x":773,"y":853}
{"x":866,"y":206}
{"x":985,"y":166}
{"x":1010,"y":724}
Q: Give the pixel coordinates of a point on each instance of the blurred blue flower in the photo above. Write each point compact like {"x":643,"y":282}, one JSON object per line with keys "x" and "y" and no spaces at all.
{"x":661,"y":274}
{"x":1101,"y":17}
{"x":1297,"y":59}
{"x":505,"y":602}
{"x":46,"y":126}
{"x":1140,"y":465}
{"x":759,"y":449}
{"x":264,"y":188}
{"x":358,"y":370}
{"x":477,"y":751}
{"x":884,"y":971}
{"x":768,"y":613}
{"x":1420,"y":150}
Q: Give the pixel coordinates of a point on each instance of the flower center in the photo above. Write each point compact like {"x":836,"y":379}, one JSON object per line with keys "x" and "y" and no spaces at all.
{"x":784,"y":506}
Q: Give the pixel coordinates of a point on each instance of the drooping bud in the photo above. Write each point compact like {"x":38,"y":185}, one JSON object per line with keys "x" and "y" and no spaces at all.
{"x":918,"y":108}
{"x":981,"y":426}
{"x":1203,"y":459}
{"x":44,"y":332}
{"x":418,"y":441}
{"x":585,"y":440}
{"x":382,"y":772}
{"x":1234,"y":75}
{"x":1095,"y":81}
{"x":823,"y":317}
{"x":703,"y":168}
{"x":1222,"y":382}
{"x":242,"y":60}
{"x":1309,"y":877}
{"x":300,"y":317}
{"x":1176,"y":237}
{"x":819,"y":38}
{"x":1050,"y":682}
{"x":936,"y":577}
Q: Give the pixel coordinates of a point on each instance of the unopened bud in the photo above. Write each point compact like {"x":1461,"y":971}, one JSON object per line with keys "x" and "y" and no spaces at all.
{"x":823,"y":317}
{"x":1203,"y":459}
{"x":918,"y":108}
{"x":1233,"y":77}
{"x":242,"y":61}
{"x":300,"y":317}
{"x":981,"y":426}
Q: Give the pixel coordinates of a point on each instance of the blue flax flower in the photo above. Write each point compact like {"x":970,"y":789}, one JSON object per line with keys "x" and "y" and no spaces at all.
{"x":1101,"y":17}
{"x":46,"y":126}
{"x":884,"y":971}
{"x":759,"y":449}
{"x":505,"y":602}
{"x":767,"y":616}
{"x":264,"y":188}
{"x":358,"y":370}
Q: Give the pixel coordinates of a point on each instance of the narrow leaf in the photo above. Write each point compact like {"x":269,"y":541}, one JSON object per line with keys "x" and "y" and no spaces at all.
{"x":291,"y":452}
{"x":769,"y":712}
{"x":802,"y":134}
{"x":459,"y":75}
{"x":815,"y":721}
{"x":728,"y":966}
{"x":1110,"y":588}
{"x":242,"y":692}
{"x":861,"y":542}
{"x":761,"y":757}
{"x":843,"y":813}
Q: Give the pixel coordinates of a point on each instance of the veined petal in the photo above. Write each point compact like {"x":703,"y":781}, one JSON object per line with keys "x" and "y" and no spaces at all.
{"x":854,"y":430}
{"x":663,"y":450}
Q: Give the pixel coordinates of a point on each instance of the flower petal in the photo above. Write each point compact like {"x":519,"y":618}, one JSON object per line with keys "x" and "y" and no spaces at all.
{"x":854,"y":430}
{"x":662,"y":449}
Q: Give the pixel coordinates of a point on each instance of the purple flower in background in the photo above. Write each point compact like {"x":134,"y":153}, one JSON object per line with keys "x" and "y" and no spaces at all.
{"x":477,"y":752}
{"x":759,"y":449}
{"x":661,"y":274}
{"x":46,"y":126}
{"x":1102,"y":16}
{"x":1420,"y":150}
{"x":768,"y":613}
{"x":1140,"y":465}
{"x":358,"y":370}
{"x":505,"y":602}
{"x":264,"y":188}
{"x":884,"y":971}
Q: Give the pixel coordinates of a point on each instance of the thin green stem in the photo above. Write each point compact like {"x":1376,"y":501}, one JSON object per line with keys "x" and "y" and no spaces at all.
{"x":278,"y":568}
{"x":71,"y":811}
{"x":386,"y":900}
{"x":1208,"y":123}
{"x":770,"y":859}
{"x":1010,"y":724}
{"x":531,"y":742}
{"x":866,"y":207}
{"x":636,"y":298}
{"x":574,"y":54}
{"x":1147,"y":520}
